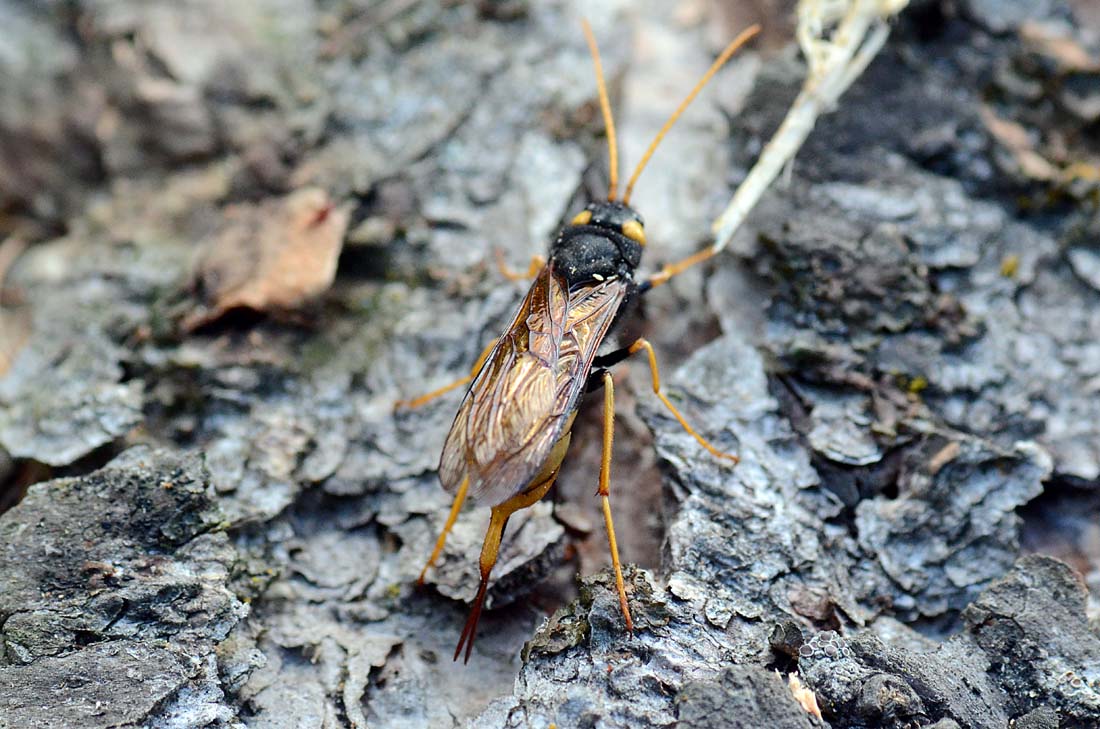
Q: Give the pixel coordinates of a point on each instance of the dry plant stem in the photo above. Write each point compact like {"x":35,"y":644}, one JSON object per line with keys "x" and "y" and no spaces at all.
{"x":859,"y":30}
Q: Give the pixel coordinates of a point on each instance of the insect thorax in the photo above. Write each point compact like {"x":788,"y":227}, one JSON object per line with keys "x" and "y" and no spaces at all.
{"x":597,"y":250}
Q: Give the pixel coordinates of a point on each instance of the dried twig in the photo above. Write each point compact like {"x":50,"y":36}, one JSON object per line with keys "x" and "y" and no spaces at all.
{"x":839,"y":38}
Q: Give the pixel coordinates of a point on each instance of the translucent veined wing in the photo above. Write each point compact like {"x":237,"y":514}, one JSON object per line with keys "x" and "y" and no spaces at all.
{"x":521,"y":400}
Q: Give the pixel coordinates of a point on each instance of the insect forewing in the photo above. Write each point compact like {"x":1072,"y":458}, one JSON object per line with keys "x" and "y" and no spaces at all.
{"x":520,"y":402}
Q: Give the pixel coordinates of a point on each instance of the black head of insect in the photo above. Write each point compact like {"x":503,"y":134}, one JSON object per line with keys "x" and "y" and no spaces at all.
{"x":602,"y":241}
{"x":606,"y":238}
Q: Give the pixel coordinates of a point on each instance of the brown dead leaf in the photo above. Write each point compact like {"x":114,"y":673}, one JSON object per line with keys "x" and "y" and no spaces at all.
{"x":804,"y":695}
{"x":273,"y":256}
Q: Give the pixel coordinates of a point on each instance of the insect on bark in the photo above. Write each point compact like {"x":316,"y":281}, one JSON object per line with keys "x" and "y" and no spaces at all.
{"x":513,"y":427}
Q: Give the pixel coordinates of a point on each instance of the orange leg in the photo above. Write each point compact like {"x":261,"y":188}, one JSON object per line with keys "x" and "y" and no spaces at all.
{"x":455,"y":508}
{"x":644,"y":344}
{"x":537,"y":262}
{"x":428,"y":397}
{"x":605,"y":491}
{"x":671,"y":269}
{"x":498,"y":519}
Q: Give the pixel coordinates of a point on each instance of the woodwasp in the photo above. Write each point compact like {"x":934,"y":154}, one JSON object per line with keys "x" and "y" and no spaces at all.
{"x":513,"y":427}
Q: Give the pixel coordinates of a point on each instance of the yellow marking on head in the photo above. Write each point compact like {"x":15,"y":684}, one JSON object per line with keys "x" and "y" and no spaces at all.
{"x":632,"y":229}
{"x":584,"y":217}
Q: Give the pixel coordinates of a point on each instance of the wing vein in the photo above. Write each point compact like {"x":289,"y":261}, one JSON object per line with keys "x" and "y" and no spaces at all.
{"x":519,"y":403}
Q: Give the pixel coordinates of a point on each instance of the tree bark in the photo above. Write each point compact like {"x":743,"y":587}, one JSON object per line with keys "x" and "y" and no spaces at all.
{"x":223,"y":527}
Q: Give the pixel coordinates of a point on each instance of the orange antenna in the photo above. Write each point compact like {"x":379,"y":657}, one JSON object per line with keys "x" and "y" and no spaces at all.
{"x":605,"y":107}
{"x":732,"y":48}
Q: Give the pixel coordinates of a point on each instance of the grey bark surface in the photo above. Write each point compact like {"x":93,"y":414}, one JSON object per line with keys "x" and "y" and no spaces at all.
{"x":226,"y":526}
